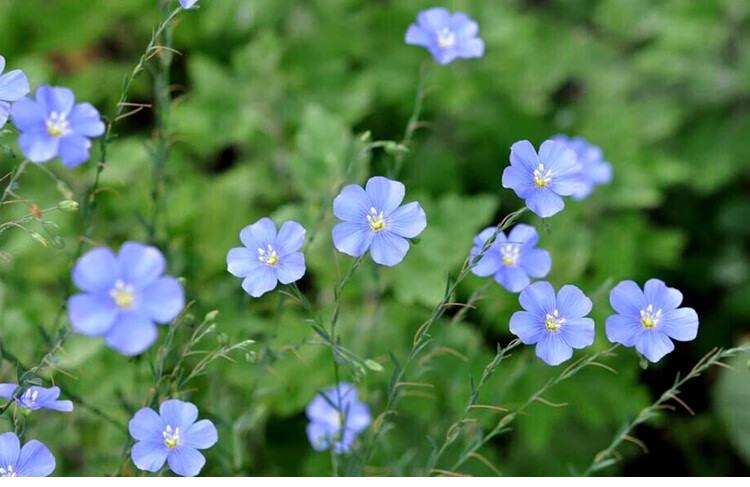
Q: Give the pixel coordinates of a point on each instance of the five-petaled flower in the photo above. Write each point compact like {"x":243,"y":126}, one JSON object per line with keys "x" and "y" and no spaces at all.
{"x":33,"y":460}
{"x":14,"y":85}
{"x":512,"y":259}
{"x":187,"y":3}
{"x":648,"y":319}
{"x":374,"y":220}
{"x":268,"y":258}
{"x":447,"y":36}
{"x":124,"y":296}
{"x":594,"y":169}
{"x":54,"y":125}
{"x":336,"y":417}
{"x":556,"y":323}
{"x":173,"y":436}
{"x":36,"y":397}
{"x":543,"y":179}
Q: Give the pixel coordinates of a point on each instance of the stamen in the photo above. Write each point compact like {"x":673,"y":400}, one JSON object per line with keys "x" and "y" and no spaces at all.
{"x":57,"y":124}
{"x":8,"y":471}
{"x":269,"y":257}
{"x":123,"y":295}
{"x":649,"y":318}
{"x":171,"y":439}
{"x":446,"y":39}
{"x":510,"y":254}
{"x":554,"y":321}
{"x":376,"y":220}
{"x":542,"y":177}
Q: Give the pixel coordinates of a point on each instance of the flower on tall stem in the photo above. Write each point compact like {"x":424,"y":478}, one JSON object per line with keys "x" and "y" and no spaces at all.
{"x":447,"y":36}
{"x":594,"y":169}
{"x":14,"y":85}
{"x":336,"y":418}
{"x":35,"y":398}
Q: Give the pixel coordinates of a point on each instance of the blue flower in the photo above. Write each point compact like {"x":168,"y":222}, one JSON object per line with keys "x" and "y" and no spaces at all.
{"x":53,"y":125}
{"x":268,"y":258}
{"x":336,"y":418}
{"x":542,"y":179}
{"x":33,"y":460}
{"x":594,"y":169}
{"x":513,"y":259}
{"x":124,"y":296}
{"x":648,"y":319}
{"x":14,"y":85}
{"x":557,"y":324}
{"x":36,"y":397}
{"x":374,"y":220}
{"x":447,"y":36}
{"x":188,"y":3}
{"x":173,"y":436}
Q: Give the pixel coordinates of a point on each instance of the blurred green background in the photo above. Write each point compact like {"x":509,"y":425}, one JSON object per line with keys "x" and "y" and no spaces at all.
{"x":270,"y":99}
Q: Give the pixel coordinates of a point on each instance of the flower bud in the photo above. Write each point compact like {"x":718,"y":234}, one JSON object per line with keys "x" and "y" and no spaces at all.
{"x":68,"y":206}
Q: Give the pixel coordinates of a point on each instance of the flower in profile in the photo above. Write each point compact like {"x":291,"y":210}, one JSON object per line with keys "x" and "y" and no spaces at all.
{"x":336,"y":418}
{"x":373,"y":219}
{"x":594,"y":169}
{"x":187,"y":3}
{"x":268,"y":258}
{"x":33,"y":460}
{"x":447,"y":36}
{"x":650,"y":319}
{"x":54,"y":125}
{"x":173,"y":436}
{"x":556,"y":323}
{"x":14,"y":85}
{"x":36,"y":397}
{"x":542,"y":179}
{"x":124,"y":296}
{"x":512,"y":259}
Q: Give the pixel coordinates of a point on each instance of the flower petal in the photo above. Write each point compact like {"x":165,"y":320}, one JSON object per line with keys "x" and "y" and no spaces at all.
{"x":514,"y":279}
{"x":38,"y":145}
{"x":241,"y":261}
{"x":408,"y":221}
{"x":91,"y":314}
{"x":462,"y":26}
{"x":536,"y":262}
{"x":417,"y":36}
{"x":149,"y":455}
{"x":14,"y":85}
{"x":35,"y":460}
{"x":553,"y":349}
{"x":388,"y":249}
{"x":291,"y":268}
{"x":680,"y":324}
{"x":64,"y":406}
{"x":654,"y":344}
{"x":162,"y":300}
{"x":55,"y":99}
{"x":10,"y":449}
{"x":572,"y":303}
{"x":524,"y":157}
{"x":84,"y":119}
{"x":74,"y":150}
{"x":524,"y":234}
{"x":178,"y":414}
{"x":201,"y":435}
{"x":147,"y":425}
{"x":259,"y":235}
{"x":470,"y":48}
{"x":290,"y":238}
{"x":4,"y":113}
{"x":140,"y":265}
{"x":96,"y":270}
{"x":319,"y":436}
{"x":352,"y":238}
{"x":358,"y":417}
{"x":660,"y":296}
{"x":386,"y":195}
{"x":489,"y":264}
{"x":627,"y":299}
{"x":518,"y":180}
{"x":538,"y":298}
{"x":623,"y":329}
{"x":131,"y":334}
{"x":527,"y":327}
{"x":352,"y":204}
{"x":186,"y":462}
{"x":559,"y":159}
{"x":434,"y":18}
{"x":261,"y":280}
{"x":28,"y":115}
{"x":544,"y":202}
{"x":578,"y":333}
{"x":6,"y":392}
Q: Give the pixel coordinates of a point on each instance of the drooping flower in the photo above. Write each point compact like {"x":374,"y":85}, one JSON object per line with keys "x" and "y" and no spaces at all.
{"x":542,"y":179}
{"x":33,"y":460}
{"x":36,"y":397}
{"x":373,"y":219}
{"x":447,"y":36}
{"x":187,"y":3}
{"x":54,"y":125}
{"x":648,"y":319}
{"x":512,"y":259}
{"x":267,"y":257}
{"x":14,"y":85}
{"x":594,"y":169}
{"x":336,"y":418}
{"x":556,"y":323}
{"x":173,"y":436}
{"x":124,"y":296}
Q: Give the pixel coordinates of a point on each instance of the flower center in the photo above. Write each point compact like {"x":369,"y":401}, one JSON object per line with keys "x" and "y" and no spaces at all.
{"x":446,"y":39}
{"x":123,"y":295}
{"x":8,"y":471}
{"x":269,"y":256}
{"x":542,"y":177}
{"x":554,"y":321}
{"x":510,"y":254}
{"x":376,"y":220}
{"x":171,"y":438}
{"x":28,"y":399}
{"x":649,"y":318}
{"x":57,"y":124}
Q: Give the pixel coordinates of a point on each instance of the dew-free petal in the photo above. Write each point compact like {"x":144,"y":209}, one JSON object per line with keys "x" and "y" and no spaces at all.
{"x":261,"y":280}
{"x":91,"y":314}
{"x":553,"y":349}
{"x":140,"y":265}
{"x":407,"y":221}
{"x":149,"y":455}
{"x":35,"y":460}
{"x":385,"y":194}
{"x":527,"y":327}
{"x":132,"y":333}
{"x":185,"y":461}
{"x":201,"y":435}
{"x":654,"y":345}
{"x":388,"y":248}
{"x":147,"y":425}
{"x":291,"y":268}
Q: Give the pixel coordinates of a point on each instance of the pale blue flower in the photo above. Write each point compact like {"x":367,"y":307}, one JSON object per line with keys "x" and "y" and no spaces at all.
{"x":187,"y":3}
{"x":35,"y":398}
{"x":447,"y":36}
{"x":33,"y":460}
{"x":14,"y":85}
{"x":336,"y":418}
{"x":594,"y":169}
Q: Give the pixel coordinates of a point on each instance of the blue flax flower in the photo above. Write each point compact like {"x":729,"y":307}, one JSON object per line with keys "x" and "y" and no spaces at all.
{"x":648,"y":319}
{"x":447,"y":36}
{"x":512,"y":259}
{"x":124,"y":296}
{"x":188,"y":3}
{"x":543,"y":179}
{"x":267,"y":257}
{"x":374,"y":220}
{"x":14,"y":85}
{"x":336,"y":417}
{"x":36,"y":397}
{"x":594,"y":169}
{"x":54,"y":125}
{"x":33,"y":460}
{"x":173,"y":436}
{"x":557,"y":324}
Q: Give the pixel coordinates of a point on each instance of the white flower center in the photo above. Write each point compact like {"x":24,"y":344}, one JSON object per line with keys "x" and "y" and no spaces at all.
{"x":123,"y":295}
{"x":268,"y":256}
{"x":8,"y":471}
{"x":376,"y":220}
{"x":649,"y":318}
{"x":57,"y":124}
{"x":554,"y":321}
{"x":510,"y":253}
{"x":171,"y":438}
{"x":28,"y":399}
{"x":446,"y":39}
{"x":542,"y":176}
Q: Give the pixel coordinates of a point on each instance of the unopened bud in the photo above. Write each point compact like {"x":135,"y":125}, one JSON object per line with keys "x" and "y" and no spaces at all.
{"x":39,"y":238}
{"x":68,"y":206}
{"x":211,"y":316}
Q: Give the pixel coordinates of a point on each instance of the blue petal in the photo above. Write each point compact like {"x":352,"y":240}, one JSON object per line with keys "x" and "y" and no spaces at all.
{"x":417,"y":36}
{"x":443,"y":56}
{"x":96,"y":270}
{"x":2,"y":64}
{"x":4,"y":113}
{"x":35,"y":460}
{"x":572,"y":303}
{"x":201,"y":435}
{"x":260,"y":281}
{"x":28,"y":115}
{"x":434,"y":18}
{"x":91,"y":314}
{"x":524,"y":158}
{"x":654,"y":344}
{"x":388,"y":249}
{"x":358,"y":417}
{"x":14,"y":85}
{"x":536,"y":262}
{"x":578,"y":333}
{"x":524,"y":234}
{"x":318,"y":436}
{"x":627,"y":299}
{"x":140,"y":265}
{"x":345,"y":443}
{"x":352,"y":204}
{"x":544,"y":202}
{"x":514,"y":279}
{"x":386,"y":195}
{"x":463,"y":26}
{"x":352,"y":238}
{"x":553,"y":349}
{"x":538,"y":298}
{"x":559,"y":159}
{"x":131,"y":334}
{"x":407,"y":221}
{"x":186,"y":462}
{"x":290,"y":238}
{"x":680,"y":324}
{"x":147,"y":426}
{"x":178,"y":414}
{"x":6,"y":391}
{"x":623,"y":329}
{"x":187,"y":3}
{"x":527,"y":327}
{"x":84,"y":119}
{"x":600,"y":172}
{"x":518,"y":180}
{"x":291,"y":268}
{"x":62,"y":406}
{"x":149,"y":455}
{"x":55,"y":99}
{"x":163,"y":300}
{"x":489,"y":264}
{"x":10,"y":449}
{"x":259,"y":235}
{"x":485,"y":235}
{"x":38,"y":145}
{"x":470,"y":48}
{"x":241,"y":261}
{"x":74,"y":150}
{"x":660,"y":296}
